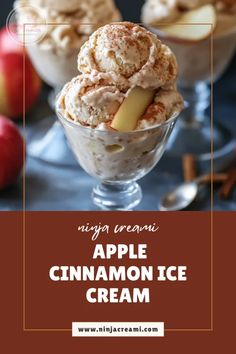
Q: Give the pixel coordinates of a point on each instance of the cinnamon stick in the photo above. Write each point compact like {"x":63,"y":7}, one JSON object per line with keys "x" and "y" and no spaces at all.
{"x":227,"y":188}
{"x":189,"y":167}
{"x":215,"y":178}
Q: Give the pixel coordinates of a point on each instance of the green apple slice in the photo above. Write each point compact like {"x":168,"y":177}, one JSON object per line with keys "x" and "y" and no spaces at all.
{"x":204,"y":19}
{"x":132,"y":109}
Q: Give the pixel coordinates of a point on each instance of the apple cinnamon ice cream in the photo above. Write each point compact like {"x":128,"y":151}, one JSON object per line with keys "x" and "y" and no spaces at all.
{"x":193,"y":46}
{"x":68,"y":26}
{"x":117,"y":58}
{"x":113,"y":111}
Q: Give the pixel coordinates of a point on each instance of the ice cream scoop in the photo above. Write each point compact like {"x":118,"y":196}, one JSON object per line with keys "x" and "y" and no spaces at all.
{"x":154,"y":12}
{"x":90,"y":99}
{"x":131,"y":53}
{"x":127,"y":81}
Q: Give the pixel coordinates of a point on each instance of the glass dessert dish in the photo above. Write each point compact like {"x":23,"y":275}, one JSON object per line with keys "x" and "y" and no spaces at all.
{"x":47,"y":141}
{"x":120,"y":111}
{"x":117,"y":159}
{"x":212,"y":43}
{"x":194,"y":132}
{"x":54,"y":55}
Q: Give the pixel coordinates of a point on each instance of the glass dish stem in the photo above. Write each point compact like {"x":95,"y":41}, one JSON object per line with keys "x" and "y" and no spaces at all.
{"x":117,"y":196}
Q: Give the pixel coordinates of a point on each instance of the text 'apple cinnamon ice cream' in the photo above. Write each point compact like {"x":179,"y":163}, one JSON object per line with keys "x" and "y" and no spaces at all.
{"x":190,"y":39}
{"x":127,"y":86}
{"x":68,"y":25}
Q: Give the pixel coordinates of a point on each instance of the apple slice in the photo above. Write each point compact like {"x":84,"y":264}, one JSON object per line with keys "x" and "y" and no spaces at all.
{"x":132,"y":109}
{"x":203,"y":18}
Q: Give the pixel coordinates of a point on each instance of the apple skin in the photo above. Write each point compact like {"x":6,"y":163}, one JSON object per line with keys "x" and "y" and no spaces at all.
{"x":8,"y":44}
{"x":11,"y":84}
{"x":11,"y":152}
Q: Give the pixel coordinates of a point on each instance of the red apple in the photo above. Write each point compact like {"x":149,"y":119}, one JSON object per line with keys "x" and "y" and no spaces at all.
{"x":11,"y":84}
{"x":11,"y":152}
{"x":7,"y":42}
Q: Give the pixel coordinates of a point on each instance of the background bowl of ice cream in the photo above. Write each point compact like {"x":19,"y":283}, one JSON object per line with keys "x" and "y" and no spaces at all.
{"x":202,"y":33}
{"x":66,"y":26}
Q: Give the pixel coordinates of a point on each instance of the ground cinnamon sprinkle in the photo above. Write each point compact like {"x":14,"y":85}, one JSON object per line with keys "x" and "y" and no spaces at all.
{"x":154,"y":110}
